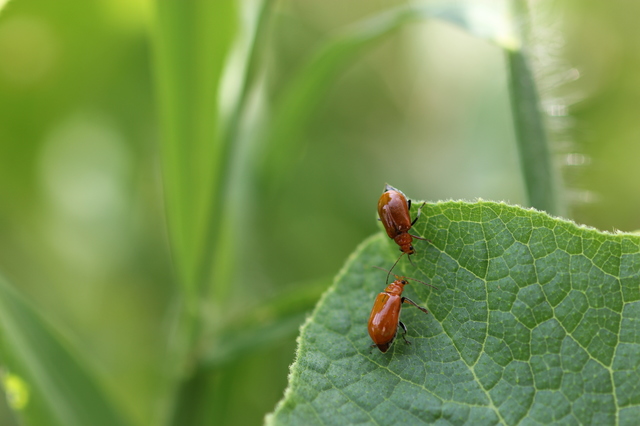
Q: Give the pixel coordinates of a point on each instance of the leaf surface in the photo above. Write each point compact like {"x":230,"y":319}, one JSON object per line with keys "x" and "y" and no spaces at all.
{"x":535,"y":320}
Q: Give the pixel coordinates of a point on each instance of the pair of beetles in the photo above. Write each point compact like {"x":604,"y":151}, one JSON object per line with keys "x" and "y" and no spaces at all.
{"x":393,"y":209}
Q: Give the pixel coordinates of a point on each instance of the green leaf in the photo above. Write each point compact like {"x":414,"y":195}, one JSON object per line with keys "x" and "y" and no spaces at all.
{"x":45,"y":379}
{"x":535,"y":320}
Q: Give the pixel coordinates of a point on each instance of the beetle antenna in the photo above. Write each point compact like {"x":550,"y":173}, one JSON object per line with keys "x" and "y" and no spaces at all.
{"x":394,"y":265}
{"x":413,"y":279}
{"x":386,"y":270}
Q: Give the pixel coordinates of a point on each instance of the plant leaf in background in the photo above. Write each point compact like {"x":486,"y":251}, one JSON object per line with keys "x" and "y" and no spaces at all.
{"x":53,"y":384}
{"x":300,"y":97}
{"x":534,"y":318}
{"x":192,"y":40}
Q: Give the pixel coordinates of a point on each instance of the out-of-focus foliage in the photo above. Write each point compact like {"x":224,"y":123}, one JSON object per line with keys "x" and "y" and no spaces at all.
{"x":81,"y":215}
{"x":49,"y":383}
{"x":82,"y":225}
{"x":600,"y":43}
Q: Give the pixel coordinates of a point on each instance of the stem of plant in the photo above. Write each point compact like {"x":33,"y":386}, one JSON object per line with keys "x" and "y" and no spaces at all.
{"x":535,"y":157}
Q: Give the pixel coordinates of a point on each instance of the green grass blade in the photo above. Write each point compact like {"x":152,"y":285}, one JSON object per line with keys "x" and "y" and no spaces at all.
{"x":194,"y":44}
{"x":191,"y":44}
{"x":57,"y":387}
{"x":219,"y":247}
{"x":192,"y":41}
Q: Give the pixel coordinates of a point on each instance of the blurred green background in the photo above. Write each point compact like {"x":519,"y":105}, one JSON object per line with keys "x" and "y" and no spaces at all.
{"x":82,"y":216}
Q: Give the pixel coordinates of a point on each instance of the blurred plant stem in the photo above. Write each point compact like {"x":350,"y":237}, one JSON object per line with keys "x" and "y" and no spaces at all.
{"x":193,"y":45}
{"x":538,"y":170}
{"x":189,"y":61}
{"x":191,"y":41}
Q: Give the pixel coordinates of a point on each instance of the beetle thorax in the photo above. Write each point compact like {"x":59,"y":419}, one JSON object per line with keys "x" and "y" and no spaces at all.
{"x":395,"y":288}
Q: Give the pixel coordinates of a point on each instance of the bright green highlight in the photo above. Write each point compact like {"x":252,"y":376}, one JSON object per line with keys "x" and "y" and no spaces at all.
{"x":534,"y":318}
{"x":17,"y":391}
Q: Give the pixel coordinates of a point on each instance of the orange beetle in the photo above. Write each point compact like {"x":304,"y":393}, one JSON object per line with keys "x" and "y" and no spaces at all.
{"x":393,"y":209}
{"x":385,"y":315}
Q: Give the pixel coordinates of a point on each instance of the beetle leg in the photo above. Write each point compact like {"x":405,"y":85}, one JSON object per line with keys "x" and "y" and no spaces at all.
{"x":419,"y":211}
{"x":411,"y":302}
{"x":409,"y":204}
{"x":404,"y":332}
